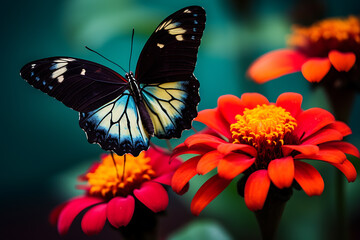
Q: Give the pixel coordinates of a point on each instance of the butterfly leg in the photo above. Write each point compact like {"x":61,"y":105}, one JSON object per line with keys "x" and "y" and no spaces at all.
{"x":117,"y":173}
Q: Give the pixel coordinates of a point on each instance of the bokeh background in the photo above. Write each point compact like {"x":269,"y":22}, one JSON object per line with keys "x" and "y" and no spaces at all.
{"x":43,"y":150}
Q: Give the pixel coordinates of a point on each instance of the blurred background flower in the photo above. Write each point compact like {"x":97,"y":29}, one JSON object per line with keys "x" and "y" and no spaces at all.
{"x":44,"y":149}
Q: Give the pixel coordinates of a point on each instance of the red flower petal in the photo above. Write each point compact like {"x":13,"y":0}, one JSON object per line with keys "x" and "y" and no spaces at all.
{"x":203,"y":139}
{"x":54,"y":215}
{"x":291,"y":102}
{"x":207,"y":192}
{"x":342,"y":61}
{"x":347,"y":169}
{"x":164,"y":165}
{"x":275,"y":64}
{"x":120,"y":210}
{"x":213,"y":119}
{"x":233,"y":164}
{"x":72,"y":209}
{"x":183,"y":149}
{"x":308,"y":178}
{"x":345,"y":147}
{"x":256,"y":189}
{"x":315,"y":69}
{"x":281,"y":172}
{"x":251,"y":100}
{"x":94,"y":219}
{"x":325,"y":154}
{"x":230,"y":106}
{"x":164,"y":179}
{"x":208,"y":162}
{"x":304,"y":149}
{"x":323,"y":135}
{"x":152,"y":195}
{"x":160,"y":158}
{"x":226,"y":148}
{"x":311,"y":121}
{"x":341,"y":127}
{"x":184,"y":173}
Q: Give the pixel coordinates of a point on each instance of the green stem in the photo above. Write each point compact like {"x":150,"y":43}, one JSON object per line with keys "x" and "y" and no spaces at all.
{"x":342,"y":232}
{"x":270,"y":215}
{"x":341,"y":101}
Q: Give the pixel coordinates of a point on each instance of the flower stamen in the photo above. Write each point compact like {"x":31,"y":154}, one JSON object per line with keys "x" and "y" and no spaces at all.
{"x":265,"y":124}
{"x":105,"y":182}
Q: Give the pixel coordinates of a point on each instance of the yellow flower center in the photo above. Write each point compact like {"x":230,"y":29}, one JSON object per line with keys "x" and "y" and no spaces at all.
{"x":107,"y":181}
{"x":263,"y":126}
{"x":333,"y":31}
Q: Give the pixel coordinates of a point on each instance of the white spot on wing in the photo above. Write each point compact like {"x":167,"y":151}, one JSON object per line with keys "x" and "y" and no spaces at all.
{"x":60,"y":79}
{"x":61,"y":60}
{"x":58,"y":72}
{"x":187,"y":11}
{"x":160,"y":45}
{"x":179,"y":37}
{"x":33,"y":65}
{"x":176,"y":31}
{"x":163,"y":25}
{"x":68,"y":59}
{"x":83,"y":71}
{"x":172,"y":25}
{"x":60,"y":65}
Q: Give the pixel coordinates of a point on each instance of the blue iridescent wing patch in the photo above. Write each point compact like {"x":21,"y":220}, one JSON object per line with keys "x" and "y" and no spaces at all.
{"x":116,"y":126}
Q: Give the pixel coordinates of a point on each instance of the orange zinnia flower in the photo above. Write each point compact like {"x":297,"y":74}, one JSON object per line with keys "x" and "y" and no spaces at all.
{"x":267,"y":143}
{"x":112,"y":197}
{"x":325,"y":48}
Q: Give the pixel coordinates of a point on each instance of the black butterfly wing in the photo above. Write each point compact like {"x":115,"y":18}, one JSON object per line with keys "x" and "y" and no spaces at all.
{"x":171,"y":51}
{"x":80,"y":84}
{"x":117,"y":126}
{"x":108,"y":113}
{"x":165,"y":72}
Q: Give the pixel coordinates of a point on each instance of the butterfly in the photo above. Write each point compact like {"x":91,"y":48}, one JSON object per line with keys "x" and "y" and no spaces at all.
{"x":119,"y":113}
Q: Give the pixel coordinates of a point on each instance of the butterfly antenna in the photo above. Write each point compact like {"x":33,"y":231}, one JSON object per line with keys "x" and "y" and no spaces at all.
{"x":105,"y":58}
{"x":123,"y":174}
{"x":117,"y":173}
{"x":169,"y":145}
{"x":131,"y":48}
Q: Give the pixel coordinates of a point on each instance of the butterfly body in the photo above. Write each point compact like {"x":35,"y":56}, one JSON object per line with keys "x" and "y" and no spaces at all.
{"x":121,"y":114}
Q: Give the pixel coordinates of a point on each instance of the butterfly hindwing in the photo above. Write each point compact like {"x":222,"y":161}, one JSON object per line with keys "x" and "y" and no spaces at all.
{"x":171,"y":51}
{"x":80,"y":84}
{"x":116,"y":126}
{"x":171,"y":105}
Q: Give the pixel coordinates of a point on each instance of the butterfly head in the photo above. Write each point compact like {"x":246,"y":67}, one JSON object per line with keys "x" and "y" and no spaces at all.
{"x":130,"y":76}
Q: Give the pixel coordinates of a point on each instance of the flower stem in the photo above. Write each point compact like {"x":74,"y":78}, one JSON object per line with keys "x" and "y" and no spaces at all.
{"x":269,"y":216}
{"x":143,"y":225}
{"x":341,"y":101}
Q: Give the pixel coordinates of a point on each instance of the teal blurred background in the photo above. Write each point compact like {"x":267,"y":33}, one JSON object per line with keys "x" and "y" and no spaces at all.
{"x":44,"y":150}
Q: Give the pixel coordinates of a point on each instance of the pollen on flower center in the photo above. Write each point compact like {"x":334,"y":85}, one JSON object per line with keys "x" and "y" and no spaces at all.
{"x":333,"y":33}
{"x":265,"y":125}
{"x":104,"y":181}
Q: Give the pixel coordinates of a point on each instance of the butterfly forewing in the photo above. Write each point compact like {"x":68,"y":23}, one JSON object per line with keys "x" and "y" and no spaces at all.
{"x":172,"y":49}
{"x":116,"y":126}
{"x":165,"y":72}
{"x":80,"y":84}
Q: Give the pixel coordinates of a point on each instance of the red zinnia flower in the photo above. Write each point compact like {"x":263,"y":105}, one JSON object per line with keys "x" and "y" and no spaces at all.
{"x":112,"y":197}
{"x":331,"y":45}
{"x":266,"y":142}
